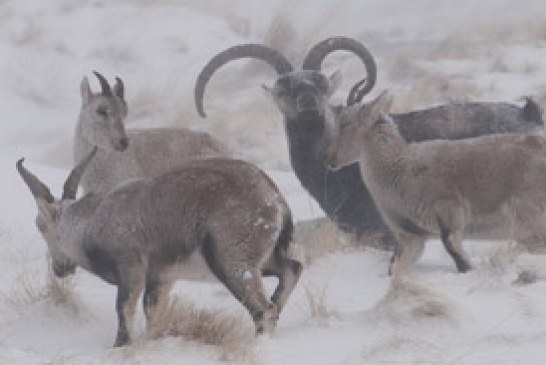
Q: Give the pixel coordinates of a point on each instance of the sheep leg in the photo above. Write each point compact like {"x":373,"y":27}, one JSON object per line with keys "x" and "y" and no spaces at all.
{"x":451,"y":221}
{"x":410,"y":247}
{"x":245,"y":283}
{"x":156,"y":297}
{"x":130,"y":285}
{"x":453,"y":243}
{"x":287,"y":270}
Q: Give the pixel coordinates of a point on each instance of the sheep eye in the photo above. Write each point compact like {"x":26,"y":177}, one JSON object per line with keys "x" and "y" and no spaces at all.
{"x":282,"y":92}
{"x":318,"y":79}
{"x":102,"y":113}
{"x":342,"y":126}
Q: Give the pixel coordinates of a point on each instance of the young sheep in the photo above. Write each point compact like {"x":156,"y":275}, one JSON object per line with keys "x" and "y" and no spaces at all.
{"x":303,"y":97}
{"x":133,"y":236}
{"x":490,"y":187}
{"x":125,"y":154}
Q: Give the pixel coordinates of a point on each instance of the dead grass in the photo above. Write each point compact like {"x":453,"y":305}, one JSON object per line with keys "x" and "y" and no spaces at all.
{"x":458,"y":46}
{"x":31,"y":287}
{"x":234,"y":340}
{"x":317,"y":306}
{"x":404,"y":68}
{"x":435,"y":89}
{"x":409,"y":300}
{"x":480,"y":39}
{"x":503,"y":257}
{"x":319,"y":237}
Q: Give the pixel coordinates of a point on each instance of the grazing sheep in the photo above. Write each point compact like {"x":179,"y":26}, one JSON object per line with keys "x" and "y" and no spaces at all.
{"x":490,"y":187}
{"x":303,"y":98}
{"x":135,"y":235}
{"x":125,"y":154}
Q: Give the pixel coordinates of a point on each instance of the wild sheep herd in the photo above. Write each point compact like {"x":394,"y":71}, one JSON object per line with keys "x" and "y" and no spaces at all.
{"x":154,"y":197}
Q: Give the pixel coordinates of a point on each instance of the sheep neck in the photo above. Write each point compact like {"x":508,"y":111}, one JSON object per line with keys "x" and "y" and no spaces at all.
{"x":305,"y":135}
{"x":82,"y":146}
{"x":72,"y":227}
{"x":383,"y":154}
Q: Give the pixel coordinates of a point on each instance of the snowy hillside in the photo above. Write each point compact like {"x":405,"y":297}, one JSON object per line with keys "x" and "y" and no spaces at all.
{"x":345,"y":309}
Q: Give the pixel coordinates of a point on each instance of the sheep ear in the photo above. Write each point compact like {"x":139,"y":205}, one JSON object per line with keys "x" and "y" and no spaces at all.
{"x":270,"y":91}
{"x":382,"y":104}
{"x":48,"y":211}
{"x":334,"y":80}
{"x":85,"y":90}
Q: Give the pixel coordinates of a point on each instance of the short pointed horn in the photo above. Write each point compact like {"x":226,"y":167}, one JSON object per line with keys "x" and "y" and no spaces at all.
{"x":356,"y":95}
{"x":315,"y":56}
{"x":119,"y":88}
{"x":37,"y":188}
{"x":105,"y":87}
{"x":71,"y":184}
{"x":258,"y":51}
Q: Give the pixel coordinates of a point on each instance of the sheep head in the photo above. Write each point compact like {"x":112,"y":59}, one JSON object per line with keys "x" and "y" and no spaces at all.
{"x":103,"y":114}
{"x":296,"y":92}
{"x":50,"y":210}
{"x":356,"y":125}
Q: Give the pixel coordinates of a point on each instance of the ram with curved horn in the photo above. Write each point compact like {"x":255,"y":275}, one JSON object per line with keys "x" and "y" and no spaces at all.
{"x":129,"y":153}
{"x":303,"y":97}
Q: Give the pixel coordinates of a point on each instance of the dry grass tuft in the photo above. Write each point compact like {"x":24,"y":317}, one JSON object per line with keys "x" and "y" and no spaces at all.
{"x":409,"y":301}
{"x":404,"y":68}
{"x":178,"y":319}
{"x":478,"y":40}
{"x":457,"y":46}
{"x":29,"y":289}
{"x":316,"y":304}
{"x":435,"y":89}
{"x":317,"y":238}
{"x":503,"y":257}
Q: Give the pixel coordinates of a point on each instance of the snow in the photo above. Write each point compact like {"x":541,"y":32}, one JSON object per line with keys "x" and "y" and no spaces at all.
{"x":345,"y":309}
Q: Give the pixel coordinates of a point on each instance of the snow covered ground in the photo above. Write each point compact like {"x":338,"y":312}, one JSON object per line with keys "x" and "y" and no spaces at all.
{"x":345,"y":309}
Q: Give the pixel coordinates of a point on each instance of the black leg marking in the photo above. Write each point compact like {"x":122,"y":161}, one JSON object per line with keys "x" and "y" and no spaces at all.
{"x":393,"y":257}
{"x":248,"y":292}
{"x":208,"y":251}
{"x":410,"y":226}
{"x":287,"y":270}
{"x":122,"y":338}
{"x":462,"y":265}
{"x":151,"y":297}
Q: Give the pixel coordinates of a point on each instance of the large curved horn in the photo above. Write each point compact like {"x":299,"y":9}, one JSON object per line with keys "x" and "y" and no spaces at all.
{"x":258,"y":51}
{"x":37,"y":188}
{"x":70,"y":187}
{"x":104,"y":85}
{"x":316,"y":55}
